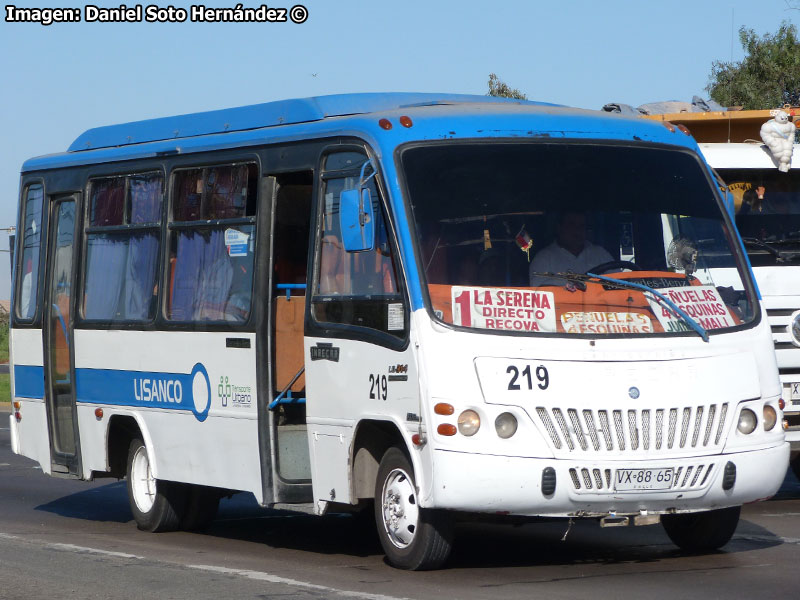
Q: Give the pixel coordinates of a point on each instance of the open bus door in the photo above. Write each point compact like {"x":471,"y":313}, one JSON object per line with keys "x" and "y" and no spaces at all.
{"x":59,"y":363}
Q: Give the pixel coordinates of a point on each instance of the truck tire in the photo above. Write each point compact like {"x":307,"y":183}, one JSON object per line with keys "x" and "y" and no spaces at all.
{"x":702,"y":531}
{"x":156,"y":505}
{"x":413,"y":538}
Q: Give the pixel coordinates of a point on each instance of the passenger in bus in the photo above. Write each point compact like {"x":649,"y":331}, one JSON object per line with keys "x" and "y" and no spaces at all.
{"x":571,"y":251}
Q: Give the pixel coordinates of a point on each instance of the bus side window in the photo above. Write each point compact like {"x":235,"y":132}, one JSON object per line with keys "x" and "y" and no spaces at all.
{"x":212,"y":243}
{"x":123,"y":243}
{"x":356,"y":288}
{"x":28,"y":265}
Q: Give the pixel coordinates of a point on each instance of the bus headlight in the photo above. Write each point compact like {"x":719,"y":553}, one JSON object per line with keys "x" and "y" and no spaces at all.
{"x":770,"y":417}
{"x":469,"y":422}
{"x":747,"y":421}
{"x":793,"y":329}
{"x":506,"y":425}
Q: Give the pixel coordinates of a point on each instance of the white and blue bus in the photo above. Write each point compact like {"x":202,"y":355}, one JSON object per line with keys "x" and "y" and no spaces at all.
{"x":392,"y":301}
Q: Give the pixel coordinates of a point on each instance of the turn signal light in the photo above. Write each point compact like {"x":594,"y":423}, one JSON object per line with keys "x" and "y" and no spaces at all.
{"x":385,"y":124}
{"x":444,"y":409}
{"x":98,"y":412}
{"x":17,"y":405}
{"x":781,"y":403}
{"x":405,"y":121}
{"x":447,"y":429}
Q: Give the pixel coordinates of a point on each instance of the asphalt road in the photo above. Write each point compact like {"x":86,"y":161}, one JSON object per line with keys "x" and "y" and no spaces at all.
{"x":69,"y":539}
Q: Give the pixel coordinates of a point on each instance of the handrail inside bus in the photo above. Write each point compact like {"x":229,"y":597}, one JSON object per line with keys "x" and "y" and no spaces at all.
{"x":289,"y":287}
{"x":285,"y":396}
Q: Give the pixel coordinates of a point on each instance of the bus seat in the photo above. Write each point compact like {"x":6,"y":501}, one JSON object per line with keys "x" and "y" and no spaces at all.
{"x":289,"y":314}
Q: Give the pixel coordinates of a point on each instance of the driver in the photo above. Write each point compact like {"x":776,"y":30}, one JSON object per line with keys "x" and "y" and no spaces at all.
{"x":570,"y":252}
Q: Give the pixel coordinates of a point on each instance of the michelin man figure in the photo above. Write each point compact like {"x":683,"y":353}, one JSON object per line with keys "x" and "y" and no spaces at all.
{"x":778,"y":135}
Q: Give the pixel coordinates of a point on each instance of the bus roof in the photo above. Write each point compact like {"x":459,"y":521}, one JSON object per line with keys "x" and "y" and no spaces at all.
{"x":269,"y":114}
{"x":435,"y":116}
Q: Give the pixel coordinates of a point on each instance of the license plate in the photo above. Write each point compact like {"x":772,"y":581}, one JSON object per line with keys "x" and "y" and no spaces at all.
{"x":795,"y":392}
{"x":627,"y":480}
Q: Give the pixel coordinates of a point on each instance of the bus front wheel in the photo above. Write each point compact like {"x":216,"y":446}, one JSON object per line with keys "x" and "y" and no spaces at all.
{"x":412,"y":537}
{"x":702,"y":531}
{"x":156,"y":505}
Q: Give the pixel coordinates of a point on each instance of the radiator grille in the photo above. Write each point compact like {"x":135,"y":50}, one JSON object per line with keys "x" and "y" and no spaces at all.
{"x":637,"y":431}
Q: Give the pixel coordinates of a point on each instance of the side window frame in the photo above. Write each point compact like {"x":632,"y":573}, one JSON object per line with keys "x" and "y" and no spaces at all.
{"x":18,"y":277}
{"x":173,"y":228}
{"x":127,"y":227}
{"x":319,"y":328}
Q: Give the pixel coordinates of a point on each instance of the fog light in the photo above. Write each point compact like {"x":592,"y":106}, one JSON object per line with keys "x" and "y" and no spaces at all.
{"x":770,"y":417}
{"x":469,"y":422}
{"x":506,"y":425}
{"x":747,"y":421}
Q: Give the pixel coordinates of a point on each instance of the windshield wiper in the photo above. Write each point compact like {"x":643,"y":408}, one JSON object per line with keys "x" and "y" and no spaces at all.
{"x":622,"y":283}
{"x":779,"y":256}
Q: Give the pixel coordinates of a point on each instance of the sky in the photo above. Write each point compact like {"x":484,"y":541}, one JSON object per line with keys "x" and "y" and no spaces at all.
{"x":61,"y":79}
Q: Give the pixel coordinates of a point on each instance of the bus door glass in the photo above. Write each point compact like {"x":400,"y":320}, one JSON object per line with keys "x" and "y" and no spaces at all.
{"x":58,"y":344}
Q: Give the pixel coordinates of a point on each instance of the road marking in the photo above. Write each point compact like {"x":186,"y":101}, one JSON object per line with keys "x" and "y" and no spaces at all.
{"x":256,"y":575}
{"x":85,"y":550}
{"x":767,"y":538}
{"x":261,"y":576}
{"x":5,"y":464}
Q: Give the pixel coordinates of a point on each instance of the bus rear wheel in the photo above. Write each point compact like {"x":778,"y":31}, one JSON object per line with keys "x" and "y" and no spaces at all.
{"x":702,"y":531}
{"x":413,"y":538}
{"x":156,"y":505}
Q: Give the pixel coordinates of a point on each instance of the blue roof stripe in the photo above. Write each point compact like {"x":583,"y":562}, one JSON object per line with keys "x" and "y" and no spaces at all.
{"x":269,"y":114}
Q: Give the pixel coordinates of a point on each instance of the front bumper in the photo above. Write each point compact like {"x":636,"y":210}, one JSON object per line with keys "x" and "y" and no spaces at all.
{"x":513,"y":485}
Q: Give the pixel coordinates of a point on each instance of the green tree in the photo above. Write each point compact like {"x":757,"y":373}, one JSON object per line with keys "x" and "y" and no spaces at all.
{"x":767,"y":77}
{"x":502,"y":90}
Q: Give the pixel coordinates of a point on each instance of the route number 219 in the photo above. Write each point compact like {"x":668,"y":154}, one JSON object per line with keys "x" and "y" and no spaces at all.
{"x":541,"y":374}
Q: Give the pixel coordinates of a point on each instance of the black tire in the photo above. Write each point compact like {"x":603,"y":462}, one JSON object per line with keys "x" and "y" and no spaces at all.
{"x":412,"y":538}
{"x":703,"y":531}
{"x":161,"y":508}
{"x":201,"y":508}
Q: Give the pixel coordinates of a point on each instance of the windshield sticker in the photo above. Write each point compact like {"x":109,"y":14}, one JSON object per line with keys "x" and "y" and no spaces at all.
{"x":701,"y":302}
{"x":396,"y":317}
{"x":236,"y":241}
{"x":606,"y":322}
{"x":503,"y":309}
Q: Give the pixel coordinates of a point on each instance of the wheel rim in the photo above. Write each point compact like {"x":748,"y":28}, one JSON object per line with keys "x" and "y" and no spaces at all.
{"x":143,"y":484}
{"x":400,"y":509}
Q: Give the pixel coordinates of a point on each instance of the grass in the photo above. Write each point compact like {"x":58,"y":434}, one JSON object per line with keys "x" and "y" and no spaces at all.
{"x":5,"y":388}
{"x":4,"y":339}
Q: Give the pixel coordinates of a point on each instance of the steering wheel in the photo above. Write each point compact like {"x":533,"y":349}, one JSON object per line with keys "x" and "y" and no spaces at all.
{"x":614,"y":264}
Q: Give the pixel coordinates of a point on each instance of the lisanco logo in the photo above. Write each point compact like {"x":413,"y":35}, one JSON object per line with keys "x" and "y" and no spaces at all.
{"x":325,"y":352}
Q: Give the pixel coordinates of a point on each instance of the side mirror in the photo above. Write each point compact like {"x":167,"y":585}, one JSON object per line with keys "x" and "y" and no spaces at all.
{"x":356,"y":216}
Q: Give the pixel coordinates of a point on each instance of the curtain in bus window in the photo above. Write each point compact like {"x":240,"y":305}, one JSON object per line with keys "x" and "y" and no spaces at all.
{"x":140,"y":277}
{"x":145,"y":195}
{"x":31,"y":244}
{"x":107,"y":202}
{"x":203,"y":277}
{"x":105,"y":268}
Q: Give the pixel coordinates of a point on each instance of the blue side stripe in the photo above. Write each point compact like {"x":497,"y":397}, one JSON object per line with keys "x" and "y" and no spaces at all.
{"x":28,"y":381}
{"x":176,"y":391}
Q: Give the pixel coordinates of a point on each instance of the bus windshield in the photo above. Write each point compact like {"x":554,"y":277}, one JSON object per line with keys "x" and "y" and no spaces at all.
{"x":767,"y":213}
{"x":548,"y":238}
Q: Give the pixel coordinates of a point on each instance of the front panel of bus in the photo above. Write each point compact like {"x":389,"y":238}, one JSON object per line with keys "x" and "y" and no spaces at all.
{"x":578,"y":353}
